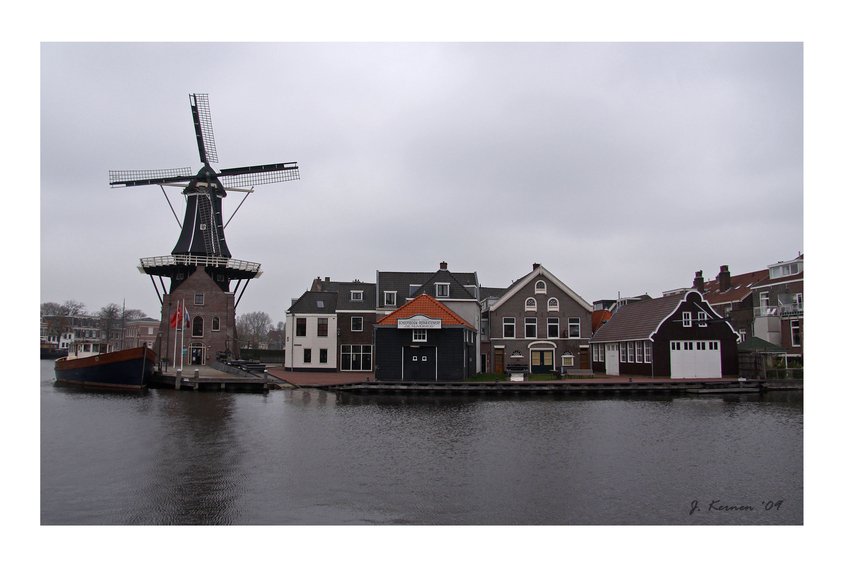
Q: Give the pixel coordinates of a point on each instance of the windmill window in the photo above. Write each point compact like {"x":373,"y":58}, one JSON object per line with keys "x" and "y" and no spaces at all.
{"x":199,"y":297}
{"x":198,"y":326}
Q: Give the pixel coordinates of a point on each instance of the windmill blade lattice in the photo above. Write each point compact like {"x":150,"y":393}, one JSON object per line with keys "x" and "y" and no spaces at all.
{"x":264,"y":174}
{"x":147,"y":177}
{"x":203,"y":127}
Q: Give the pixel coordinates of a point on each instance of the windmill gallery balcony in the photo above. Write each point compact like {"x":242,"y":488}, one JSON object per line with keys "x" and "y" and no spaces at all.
{"x":163,"y":264}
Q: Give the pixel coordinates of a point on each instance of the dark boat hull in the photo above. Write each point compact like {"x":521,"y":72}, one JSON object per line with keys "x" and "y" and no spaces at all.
{"x":125,"y":369}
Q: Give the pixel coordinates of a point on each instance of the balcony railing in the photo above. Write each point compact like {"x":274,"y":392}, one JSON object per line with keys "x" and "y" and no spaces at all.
{"x":199,"y":260}
{"x":793,"y":310}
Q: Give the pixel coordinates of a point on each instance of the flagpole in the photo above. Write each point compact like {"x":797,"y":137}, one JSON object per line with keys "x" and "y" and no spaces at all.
{"x":175,"y":334}
{"x":182,"y":332}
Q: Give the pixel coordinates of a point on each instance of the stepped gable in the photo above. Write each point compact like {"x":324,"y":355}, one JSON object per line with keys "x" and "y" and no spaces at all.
{"x":427,"y":306}
{"x":637,"y":321}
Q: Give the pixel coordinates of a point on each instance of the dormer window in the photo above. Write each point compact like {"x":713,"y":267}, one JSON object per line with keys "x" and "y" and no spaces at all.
{"x":540,"y":287}
{"x":442,"y":289}
{"x":357,"y":295}
{"x":389,"y":298}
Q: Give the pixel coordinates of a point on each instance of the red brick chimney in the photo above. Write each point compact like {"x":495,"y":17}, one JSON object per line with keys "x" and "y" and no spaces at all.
{"x":444,"y":265}
{"x":699,"y":282}
{"x":724,"y":278}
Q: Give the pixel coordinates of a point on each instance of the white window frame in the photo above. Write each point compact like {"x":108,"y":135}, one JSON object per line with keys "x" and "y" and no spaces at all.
{"x":530,"y":321}
{"x":390,"y":298}
{"x":647,"y":351}
{"x":531,"y":304}
{"x":553,"y":304}
{"x":353,"y":328}
{"x":357,"y":295}
{"x":574,"y":322}
{"x":556,"y":322}
{"x":795,"y":325}
{"x":508,"y":321}
{"x":420,"y":335}
{"x":442,"y":290}
{"x":686,"y":319}
{"x":702,"y":319}
{"x":538,"y":290}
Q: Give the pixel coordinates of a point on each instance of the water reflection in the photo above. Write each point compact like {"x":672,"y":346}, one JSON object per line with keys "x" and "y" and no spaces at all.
{"x":316,"y":457}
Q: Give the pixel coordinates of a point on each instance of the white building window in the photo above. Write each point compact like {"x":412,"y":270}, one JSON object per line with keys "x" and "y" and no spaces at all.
{"x":552,"y":327}
{"x":389,"y":298}
{"x":686,"y":319}
{"x":574,"y":327}
{"x":356,"y":324}
{"x":530,"y":304}
{"x":442,"y":289}
{"x":509,"y":327}
{"x":420,"y":335}
{"x":553,"y":304}
{"x":530,"y":327}
{"x":540,"y":287}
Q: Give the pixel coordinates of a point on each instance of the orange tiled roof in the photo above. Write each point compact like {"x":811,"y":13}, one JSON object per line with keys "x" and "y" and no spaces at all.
{"x":427,"y":306}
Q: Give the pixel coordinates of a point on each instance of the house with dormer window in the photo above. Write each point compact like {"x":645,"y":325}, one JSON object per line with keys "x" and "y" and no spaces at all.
{"x":424,"y":340}
{"x":459,"y":292}
{"x":329,"y":328}
{"x":538,"y":323}
{"x":675,"y":336}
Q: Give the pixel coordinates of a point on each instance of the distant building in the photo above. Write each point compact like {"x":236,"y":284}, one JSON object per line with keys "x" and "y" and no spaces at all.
{"x":778,"y":310}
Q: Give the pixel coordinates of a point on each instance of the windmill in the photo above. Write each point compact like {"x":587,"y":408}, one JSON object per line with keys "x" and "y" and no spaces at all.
{"x":201,"y":244}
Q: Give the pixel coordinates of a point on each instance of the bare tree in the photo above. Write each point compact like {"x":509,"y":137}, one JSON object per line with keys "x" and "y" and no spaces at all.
{"x":50,"y":309}
{"x":110,"y":319}
{"x":72,"y":308}
{"x":253,"y":327}
{"x":133,"y":314}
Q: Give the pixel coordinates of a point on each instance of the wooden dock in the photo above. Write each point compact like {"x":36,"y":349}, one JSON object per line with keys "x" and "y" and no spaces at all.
{"x":218,"y":379}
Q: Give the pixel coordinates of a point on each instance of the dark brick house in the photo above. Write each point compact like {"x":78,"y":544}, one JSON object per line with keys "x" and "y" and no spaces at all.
{"x":675,"y":336}
{"x":538,"y":323}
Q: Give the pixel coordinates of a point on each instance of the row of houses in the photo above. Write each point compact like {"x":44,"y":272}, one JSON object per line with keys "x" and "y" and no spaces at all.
{"x":58,"y":332}
{"x":444,"y":325}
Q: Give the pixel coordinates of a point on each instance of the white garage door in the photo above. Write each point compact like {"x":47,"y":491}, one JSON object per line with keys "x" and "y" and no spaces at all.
{"x":695,"y":359}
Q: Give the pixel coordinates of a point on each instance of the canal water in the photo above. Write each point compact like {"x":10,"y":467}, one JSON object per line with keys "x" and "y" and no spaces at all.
{"x":309,"y":457}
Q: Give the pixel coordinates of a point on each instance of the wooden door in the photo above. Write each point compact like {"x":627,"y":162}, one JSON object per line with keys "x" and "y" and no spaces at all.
{"x":499,"y":361}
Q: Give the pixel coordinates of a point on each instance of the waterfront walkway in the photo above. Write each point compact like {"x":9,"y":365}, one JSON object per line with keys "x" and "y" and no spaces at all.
{"x":322,"y":379}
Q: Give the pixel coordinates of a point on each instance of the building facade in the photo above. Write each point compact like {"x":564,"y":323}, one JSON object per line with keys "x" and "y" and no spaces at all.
{"x":675,"y":336}
{"x":424,"y":340}
{"x":537,"y":323}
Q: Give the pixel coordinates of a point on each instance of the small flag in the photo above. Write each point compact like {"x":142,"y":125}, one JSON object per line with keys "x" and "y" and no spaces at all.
{"x":186,"y":313}
{"x":175,"y":318}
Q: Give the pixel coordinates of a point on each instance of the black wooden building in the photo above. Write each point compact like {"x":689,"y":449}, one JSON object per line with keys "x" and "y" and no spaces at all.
{"x":423,"y":340}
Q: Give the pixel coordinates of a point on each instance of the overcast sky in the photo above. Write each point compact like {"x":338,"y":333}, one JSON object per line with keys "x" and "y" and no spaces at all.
{"x":622,"y":168}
